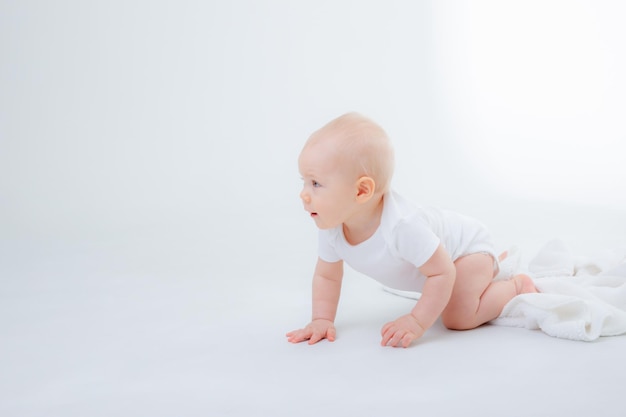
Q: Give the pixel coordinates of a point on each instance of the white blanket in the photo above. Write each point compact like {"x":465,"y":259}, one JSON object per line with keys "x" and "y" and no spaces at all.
{"x":579,"y":299}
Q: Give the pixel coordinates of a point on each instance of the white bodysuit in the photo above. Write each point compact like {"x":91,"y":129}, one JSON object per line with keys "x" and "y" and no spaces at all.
{"x":407,"y":237}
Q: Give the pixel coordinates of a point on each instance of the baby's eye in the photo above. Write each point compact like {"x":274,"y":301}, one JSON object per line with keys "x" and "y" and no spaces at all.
{"x":315,"y":184}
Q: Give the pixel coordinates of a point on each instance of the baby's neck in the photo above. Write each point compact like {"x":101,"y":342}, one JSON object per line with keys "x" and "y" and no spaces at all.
{"x":363,"y":224}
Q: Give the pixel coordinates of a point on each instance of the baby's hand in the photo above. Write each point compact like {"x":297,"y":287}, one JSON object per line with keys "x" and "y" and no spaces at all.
{"x":401,"y":332}
{"x":314,"y":332}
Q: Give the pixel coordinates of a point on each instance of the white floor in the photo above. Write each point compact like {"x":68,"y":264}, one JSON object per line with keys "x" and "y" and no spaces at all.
{"x":131,"y":328}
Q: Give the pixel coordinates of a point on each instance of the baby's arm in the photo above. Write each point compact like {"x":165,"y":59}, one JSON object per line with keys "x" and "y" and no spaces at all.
{"x":440,"y":273}
{"x":326,"y":290}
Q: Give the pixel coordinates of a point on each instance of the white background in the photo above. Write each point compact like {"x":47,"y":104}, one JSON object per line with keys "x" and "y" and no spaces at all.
{"x":148,"y":154}
{"x":131,"y":118}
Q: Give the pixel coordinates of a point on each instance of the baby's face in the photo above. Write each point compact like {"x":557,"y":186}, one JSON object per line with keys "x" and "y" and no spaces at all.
{"x":329,"y":191}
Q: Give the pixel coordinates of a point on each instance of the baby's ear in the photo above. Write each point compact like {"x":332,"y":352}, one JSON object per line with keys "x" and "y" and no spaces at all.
{"x":365,"y":189}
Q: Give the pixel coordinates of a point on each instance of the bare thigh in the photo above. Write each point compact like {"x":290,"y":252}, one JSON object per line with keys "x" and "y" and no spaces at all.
{"x":474,"y":273}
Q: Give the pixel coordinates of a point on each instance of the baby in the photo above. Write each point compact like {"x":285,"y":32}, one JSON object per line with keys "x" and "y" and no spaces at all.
{"x":347,"y":167}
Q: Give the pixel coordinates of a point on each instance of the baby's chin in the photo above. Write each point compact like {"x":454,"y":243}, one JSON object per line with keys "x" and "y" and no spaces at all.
{"x":325,"y":226}
{"x":320,"y":225}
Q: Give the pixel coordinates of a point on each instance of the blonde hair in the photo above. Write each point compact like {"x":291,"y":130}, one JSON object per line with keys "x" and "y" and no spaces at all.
{"x":362,"y":144}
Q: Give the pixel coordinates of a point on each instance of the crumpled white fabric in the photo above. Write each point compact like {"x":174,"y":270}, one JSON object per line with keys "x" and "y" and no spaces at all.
{"x":579,"y":299}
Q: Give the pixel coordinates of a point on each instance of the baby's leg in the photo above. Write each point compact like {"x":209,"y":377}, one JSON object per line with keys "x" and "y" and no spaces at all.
{"x":476,"y":298}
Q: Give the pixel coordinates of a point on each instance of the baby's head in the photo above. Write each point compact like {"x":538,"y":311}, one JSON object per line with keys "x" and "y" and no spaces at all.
{"x":358,"y":147}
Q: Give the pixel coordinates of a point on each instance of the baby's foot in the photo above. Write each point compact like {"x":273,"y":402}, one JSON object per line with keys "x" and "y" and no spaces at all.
{"x":508,"y":264}
{"x":524,"y":284}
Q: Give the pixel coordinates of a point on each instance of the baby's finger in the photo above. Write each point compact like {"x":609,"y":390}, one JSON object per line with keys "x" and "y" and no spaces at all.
{"x":387,"y":335}
{"x":331,"y":334}
{"x":292,"y":333}
{"x":389,"y":327}
{"x":315,"y":337}
{"x":397,"y":338}
{"x":385,"y":328}
{"x":291,"y":336}
{"x":298,"y":336}
{"x":407,"y":339}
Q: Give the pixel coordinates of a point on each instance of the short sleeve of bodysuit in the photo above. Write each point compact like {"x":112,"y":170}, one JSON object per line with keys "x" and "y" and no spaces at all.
{"x":414,"y":240}
{"x":325,"y":249}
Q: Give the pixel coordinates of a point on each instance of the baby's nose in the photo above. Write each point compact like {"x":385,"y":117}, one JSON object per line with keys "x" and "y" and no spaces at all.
{"x":305,"y":197}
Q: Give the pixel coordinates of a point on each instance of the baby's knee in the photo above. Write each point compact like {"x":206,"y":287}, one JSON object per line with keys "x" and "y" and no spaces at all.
{"x":457,"y":321}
